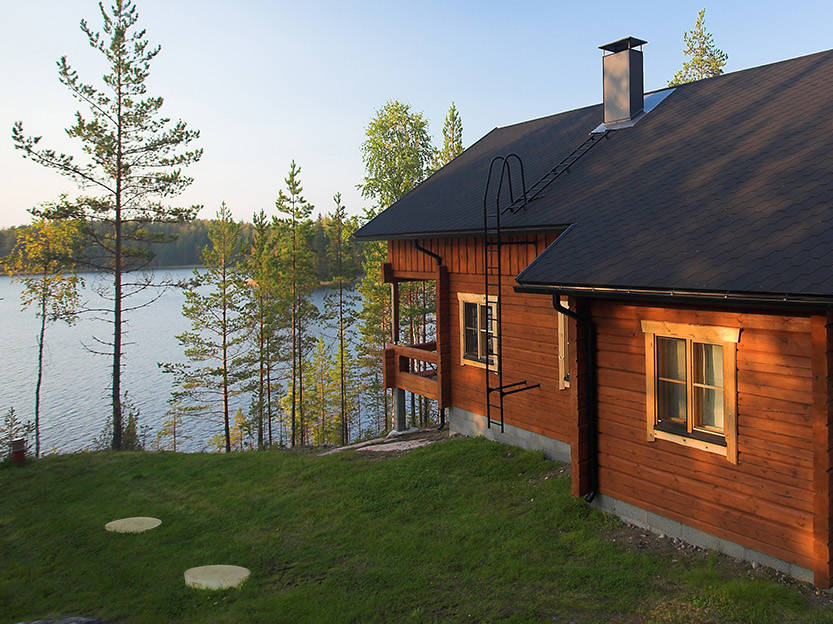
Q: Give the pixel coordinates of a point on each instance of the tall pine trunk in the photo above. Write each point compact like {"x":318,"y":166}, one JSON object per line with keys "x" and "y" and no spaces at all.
{"x":225,"y":359}
{"x":260,"y":401}
{"x":269,"y":389}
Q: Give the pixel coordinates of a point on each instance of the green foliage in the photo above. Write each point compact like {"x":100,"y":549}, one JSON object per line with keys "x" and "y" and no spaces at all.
{"x":461,"y":531}
{"x":171,"y":434}
{"x":135,"y":435}
{"x":340,"y":305}
{"x":452,"y":139}
{"x":42,"y":259}
{"x":705,"y":58}
{"x":215,"y":343}
{"x":322,"y":396}
{"x":12,"y":428}
{"x":396,"y":153}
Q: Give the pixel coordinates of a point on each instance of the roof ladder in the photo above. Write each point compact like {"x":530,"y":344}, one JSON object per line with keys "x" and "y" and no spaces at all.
{"x":550,"y":176}
{"x":493,"y":302}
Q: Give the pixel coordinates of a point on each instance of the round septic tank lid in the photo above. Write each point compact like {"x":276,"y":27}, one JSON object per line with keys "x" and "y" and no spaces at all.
{"x":216,"y":576}
{"x":133,"y":525}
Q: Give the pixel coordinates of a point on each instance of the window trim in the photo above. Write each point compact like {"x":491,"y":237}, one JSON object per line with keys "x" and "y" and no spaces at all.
{"x":727,"y":337}
{"x":479,"y":300}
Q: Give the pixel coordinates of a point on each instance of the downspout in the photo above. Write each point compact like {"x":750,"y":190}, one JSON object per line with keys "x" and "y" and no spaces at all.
{"x":428,"y":252}
{"x":590,"y":345}
{"x":439,"y":260}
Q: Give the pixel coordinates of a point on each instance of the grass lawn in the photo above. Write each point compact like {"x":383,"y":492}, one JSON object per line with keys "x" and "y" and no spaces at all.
{"x":464,"y":530}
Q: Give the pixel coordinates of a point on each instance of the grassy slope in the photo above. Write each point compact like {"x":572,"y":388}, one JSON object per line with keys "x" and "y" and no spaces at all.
{"x":464,"y":530}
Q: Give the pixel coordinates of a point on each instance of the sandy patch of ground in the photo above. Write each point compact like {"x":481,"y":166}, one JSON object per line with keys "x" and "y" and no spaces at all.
{"x":395,"y":444}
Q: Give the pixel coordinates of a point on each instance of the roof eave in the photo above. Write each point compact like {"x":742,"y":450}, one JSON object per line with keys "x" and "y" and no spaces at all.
{"x":792,"y":300}
{"x":512,"y":231}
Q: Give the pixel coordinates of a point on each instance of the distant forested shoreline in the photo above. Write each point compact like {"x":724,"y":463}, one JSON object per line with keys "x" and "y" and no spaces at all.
{"x":191,"y":238}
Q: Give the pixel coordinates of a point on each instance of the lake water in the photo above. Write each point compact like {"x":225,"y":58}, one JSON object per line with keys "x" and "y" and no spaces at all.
{"x":75,"y":396}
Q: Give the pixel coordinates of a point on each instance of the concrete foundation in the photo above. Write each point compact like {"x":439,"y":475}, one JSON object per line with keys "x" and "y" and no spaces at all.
{"x":470,"y":424}
{"x":671,"y":528}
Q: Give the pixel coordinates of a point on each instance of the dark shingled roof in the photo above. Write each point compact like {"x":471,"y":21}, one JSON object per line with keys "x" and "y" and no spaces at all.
{"x":727,"y":186}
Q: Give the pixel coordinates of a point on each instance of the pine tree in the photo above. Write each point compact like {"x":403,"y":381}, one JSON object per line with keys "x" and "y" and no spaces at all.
{"x":172,"y":428}
{"x":42,"y":261}
{"x":706,"y":59}
{"x":215,"y":344}
{"x":131,"y":162}
{"x":340,"y":303}
{"x":261,"y":273}
{"x":452,"y":139}
{"x":296,"y":261}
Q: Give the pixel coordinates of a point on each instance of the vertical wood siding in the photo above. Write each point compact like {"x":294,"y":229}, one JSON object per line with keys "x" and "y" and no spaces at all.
{"x":530,"y":331}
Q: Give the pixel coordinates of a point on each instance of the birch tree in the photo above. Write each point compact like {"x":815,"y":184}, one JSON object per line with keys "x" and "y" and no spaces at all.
{"x":397,"y":155}
{"x":42,"y":261}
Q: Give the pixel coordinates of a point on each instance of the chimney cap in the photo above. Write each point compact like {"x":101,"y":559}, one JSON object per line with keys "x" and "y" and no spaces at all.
{"x":622,"y":44}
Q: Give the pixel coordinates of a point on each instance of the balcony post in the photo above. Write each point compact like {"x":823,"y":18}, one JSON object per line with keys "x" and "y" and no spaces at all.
{"x":401,"y":423}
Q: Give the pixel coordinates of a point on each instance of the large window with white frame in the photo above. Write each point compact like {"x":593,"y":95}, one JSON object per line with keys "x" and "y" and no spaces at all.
{"x":478,"y":326}
{"x":691,"y":385}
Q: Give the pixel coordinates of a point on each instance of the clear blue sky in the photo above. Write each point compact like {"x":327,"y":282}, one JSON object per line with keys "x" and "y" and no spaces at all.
{"x":267,"y":82}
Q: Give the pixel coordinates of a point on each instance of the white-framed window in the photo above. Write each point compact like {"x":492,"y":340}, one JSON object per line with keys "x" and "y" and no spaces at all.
{"x":691,"y":385}
{"x":478,"y":326}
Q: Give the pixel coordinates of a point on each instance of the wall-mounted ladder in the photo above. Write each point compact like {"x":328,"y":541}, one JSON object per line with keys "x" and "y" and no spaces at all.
{"x":493,"y":244}
{"x":550,"y":176}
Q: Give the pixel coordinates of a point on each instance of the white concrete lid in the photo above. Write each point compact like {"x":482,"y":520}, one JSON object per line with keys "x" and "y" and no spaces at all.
{"x":133,"y":525}
{"x":216,"y":576}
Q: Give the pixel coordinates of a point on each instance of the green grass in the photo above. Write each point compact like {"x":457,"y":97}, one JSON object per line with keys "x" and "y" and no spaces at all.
{"x":463,"y":530}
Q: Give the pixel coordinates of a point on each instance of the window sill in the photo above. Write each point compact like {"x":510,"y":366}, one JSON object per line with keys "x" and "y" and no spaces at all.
{"x":709,"y":447}
{"x":466,"y":361}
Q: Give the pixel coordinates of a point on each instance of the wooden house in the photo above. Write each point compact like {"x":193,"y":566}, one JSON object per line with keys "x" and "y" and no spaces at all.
{"x":650,"y":301}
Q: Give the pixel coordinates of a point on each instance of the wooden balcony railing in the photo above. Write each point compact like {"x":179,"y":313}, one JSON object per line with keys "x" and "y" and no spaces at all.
{"x":415,"y":368}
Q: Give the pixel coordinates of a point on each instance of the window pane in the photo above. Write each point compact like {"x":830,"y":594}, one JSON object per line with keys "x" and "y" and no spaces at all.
{"x":470,"y":347}
{"x":470,"y":315}
{"x":708,"y":408}
{"x":671,"y":402}
{"x":708,"y":364}
{"x":485,"y":317}
{"x":671,"y":358}
{"x":483,"y":343}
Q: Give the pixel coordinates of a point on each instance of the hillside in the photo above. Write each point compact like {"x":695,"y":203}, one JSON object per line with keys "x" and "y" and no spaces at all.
{"x":463,"y":530}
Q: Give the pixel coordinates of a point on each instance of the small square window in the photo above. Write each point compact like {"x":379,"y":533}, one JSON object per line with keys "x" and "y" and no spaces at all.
{"x":478,"y":321}
{"x":691,"y":386}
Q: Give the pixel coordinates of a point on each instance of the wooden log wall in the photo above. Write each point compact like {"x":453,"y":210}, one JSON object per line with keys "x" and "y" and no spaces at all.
{"x":767,"y":500}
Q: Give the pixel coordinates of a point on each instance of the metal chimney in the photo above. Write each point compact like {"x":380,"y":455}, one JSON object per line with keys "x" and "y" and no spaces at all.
{"x":622,"y":77}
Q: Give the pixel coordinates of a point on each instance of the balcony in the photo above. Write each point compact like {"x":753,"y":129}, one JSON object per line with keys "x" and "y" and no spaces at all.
{"x":415,"y":368}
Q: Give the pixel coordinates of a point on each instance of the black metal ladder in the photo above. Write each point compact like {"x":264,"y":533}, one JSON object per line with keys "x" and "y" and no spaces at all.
{"x":550,"y":176}
{"x":493,"y":244}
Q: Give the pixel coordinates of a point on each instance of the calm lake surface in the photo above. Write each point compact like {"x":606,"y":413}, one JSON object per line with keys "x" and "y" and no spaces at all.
{"x":75,"y":399}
